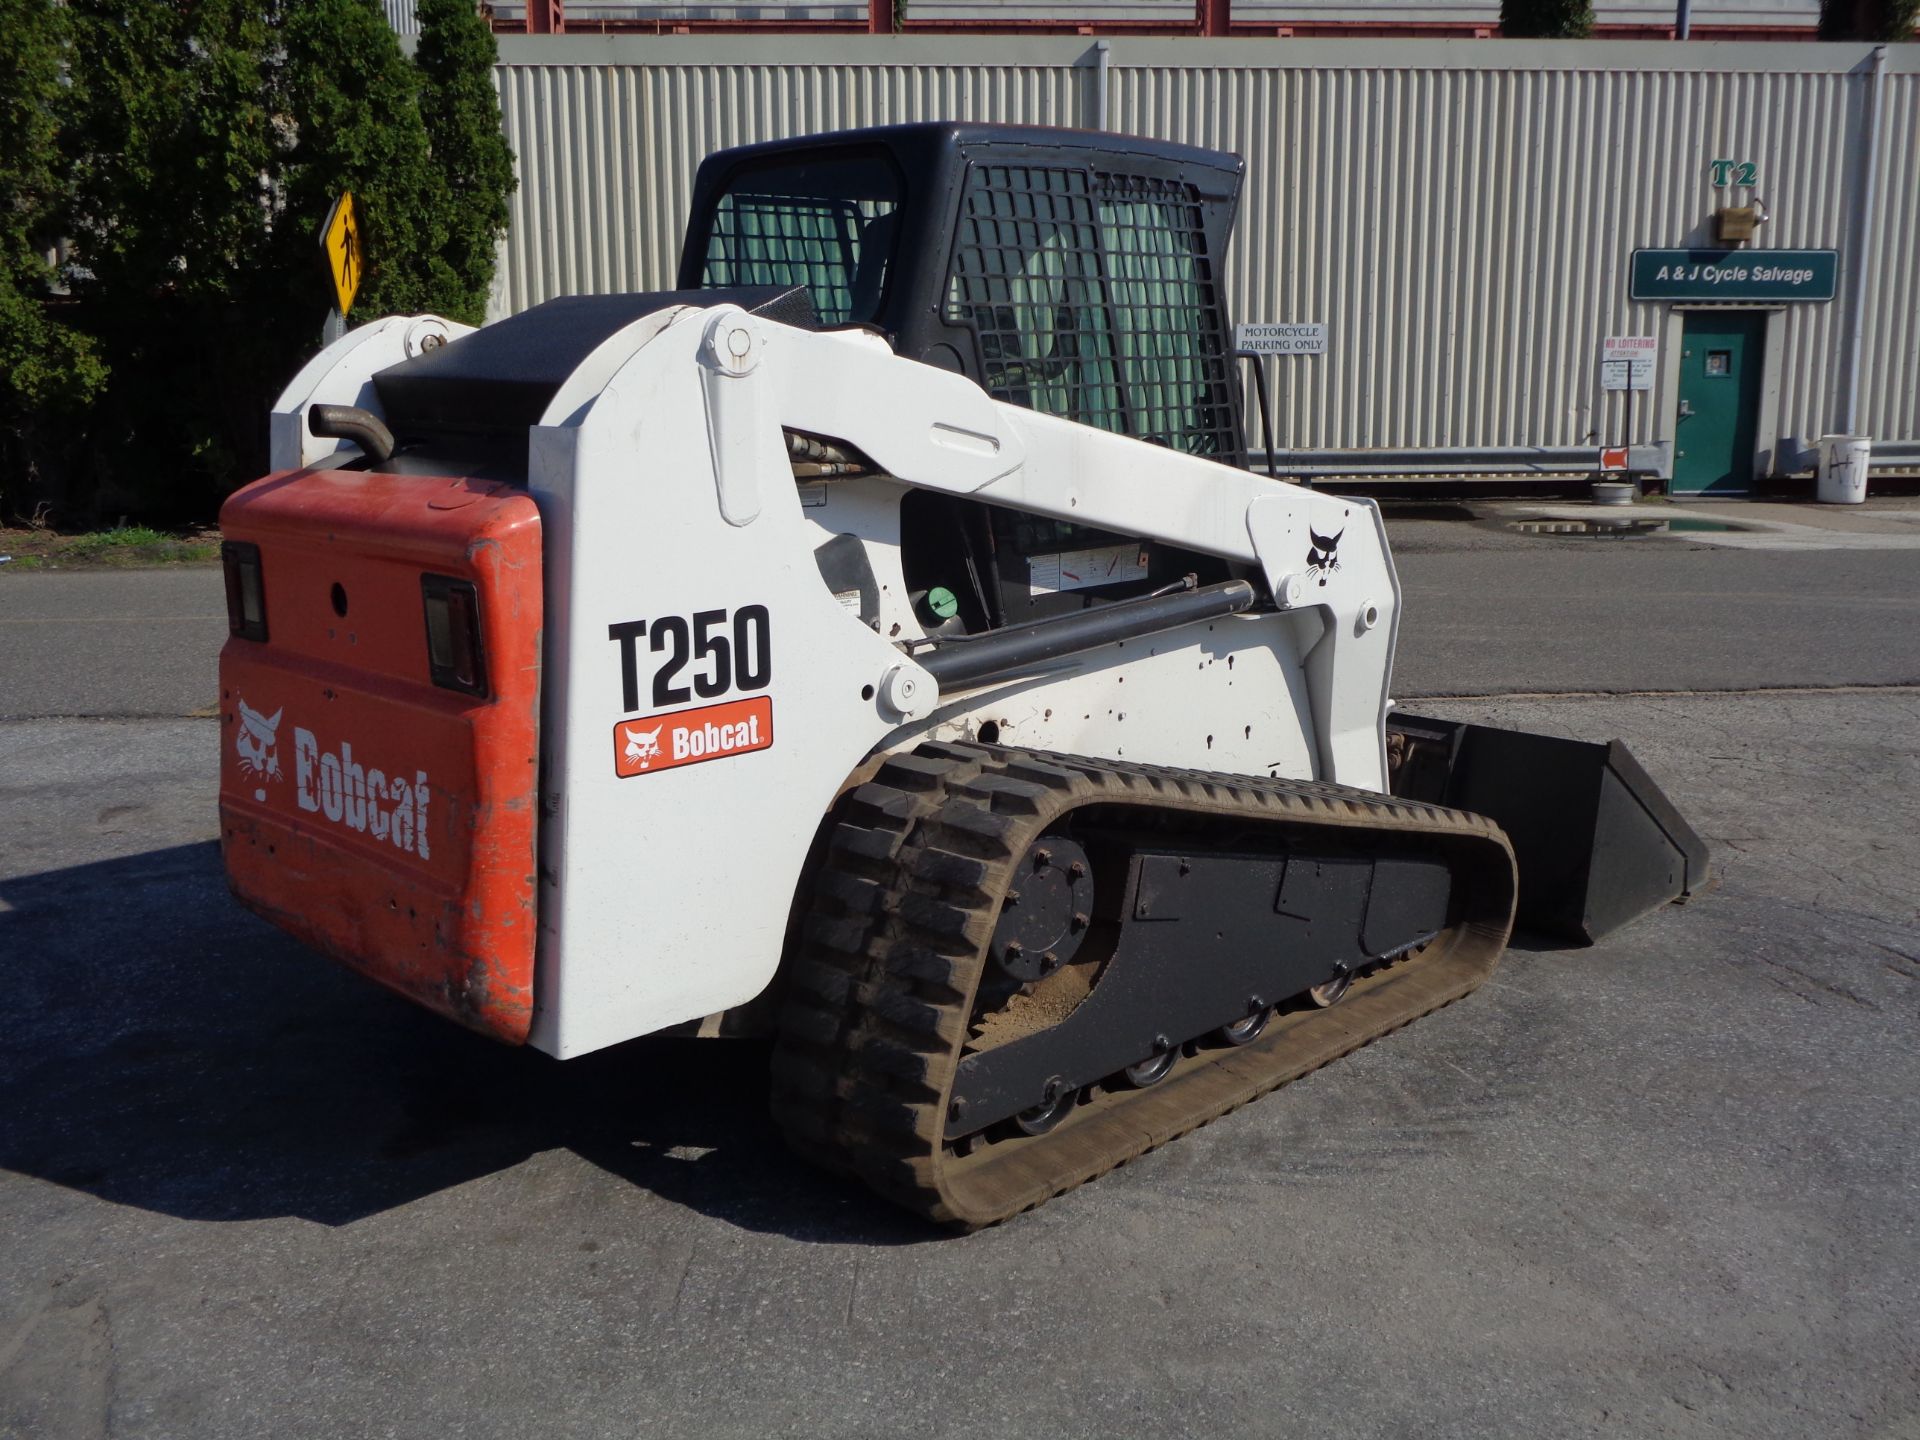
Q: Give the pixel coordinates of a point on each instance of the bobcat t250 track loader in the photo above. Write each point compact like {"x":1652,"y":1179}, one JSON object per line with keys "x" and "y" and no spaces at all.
{"x":880,"y":640}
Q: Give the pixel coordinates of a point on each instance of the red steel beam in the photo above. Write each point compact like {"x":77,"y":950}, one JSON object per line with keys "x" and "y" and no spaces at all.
{"x":549,"y":17}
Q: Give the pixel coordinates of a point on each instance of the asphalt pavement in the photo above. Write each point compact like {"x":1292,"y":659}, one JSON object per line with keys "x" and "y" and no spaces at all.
{"x":1660,"y":1187}
{"x":110,"y":642}
{"x":1487,"y":610}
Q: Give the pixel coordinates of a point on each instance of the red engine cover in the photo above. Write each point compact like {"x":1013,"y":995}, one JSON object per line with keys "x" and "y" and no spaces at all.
{"x":384,"y":820}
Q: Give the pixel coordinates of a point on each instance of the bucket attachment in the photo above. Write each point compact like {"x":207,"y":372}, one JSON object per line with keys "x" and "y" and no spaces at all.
{"x":1597,"y":841}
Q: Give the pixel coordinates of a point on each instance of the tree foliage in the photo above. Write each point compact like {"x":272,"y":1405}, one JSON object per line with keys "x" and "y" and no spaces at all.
{"x":1881,"y":20}
{"x":462,"y":114}
{"x":1546,"y":19}
{"x":171,"y":152}
{"x":359,"y":128}
{"x":44,"y":363}
{"x":188,"y":156}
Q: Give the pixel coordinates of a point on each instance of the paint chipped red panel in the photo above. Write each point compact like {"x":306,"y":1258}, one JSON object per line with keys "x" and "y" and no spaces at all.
{"x":383,"y":820}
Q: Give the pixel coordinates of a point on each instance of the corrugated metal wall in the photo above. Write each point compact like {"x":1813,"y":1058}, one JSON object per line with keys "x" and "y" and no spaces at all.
{"x":1460,"y":214}
{"x":1890,"y":381}
{"x":607,"y":152}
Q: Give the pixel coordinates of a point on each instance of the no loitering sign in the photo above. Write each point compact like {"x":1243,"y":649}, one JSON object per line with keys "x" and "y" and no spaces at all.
{"x":1626,"y":362}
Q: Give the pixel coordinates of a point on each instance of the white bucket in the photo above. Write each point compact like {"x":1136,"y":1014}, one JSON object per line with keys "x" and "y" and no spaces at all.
{"x":1843,"y":469}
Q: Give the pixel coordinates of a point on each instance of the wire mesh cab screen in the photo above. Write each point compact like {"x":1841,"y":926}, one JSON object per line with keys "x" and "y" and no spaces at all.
{"x":1092,"y":299}
{"x":827,"y":224}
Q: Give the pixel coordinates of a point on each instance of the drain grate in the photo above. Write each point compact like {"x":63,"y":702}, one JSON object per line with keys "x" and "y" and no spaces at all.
{"x":1603,"y":529}
{"x":1619,"y":527}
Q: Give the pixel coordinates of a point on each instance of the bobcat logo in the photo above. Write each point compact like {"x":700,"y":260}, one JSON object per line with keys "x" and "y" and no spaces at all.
{"x":1323,"y":554}
{"x":256,"y":743}
{"x":643,"y":745}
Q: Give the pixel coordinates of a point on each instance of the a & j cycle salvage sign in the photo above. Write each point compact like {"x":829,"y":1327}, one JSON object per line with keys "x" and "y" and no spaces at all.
{"x":1734,"y":275}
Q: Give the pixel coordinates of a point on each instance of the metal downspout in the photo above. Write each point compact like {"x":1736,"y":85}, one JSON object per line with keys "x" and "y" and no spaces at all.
{"x":1863,"y":248}
{"x":1102,"y":58}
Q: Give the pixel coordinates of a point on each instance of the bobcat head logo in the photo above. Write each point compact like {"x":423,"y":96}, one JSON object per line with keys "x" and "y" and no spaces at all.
{"x":256,"y":743}
{"x":1323,"y":557}
{"x":643,"y":745}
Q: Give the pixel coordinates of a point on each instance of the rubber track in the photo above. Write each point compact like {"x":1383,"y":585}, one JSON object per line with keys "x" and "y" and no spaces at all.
{"x":894,"y":942}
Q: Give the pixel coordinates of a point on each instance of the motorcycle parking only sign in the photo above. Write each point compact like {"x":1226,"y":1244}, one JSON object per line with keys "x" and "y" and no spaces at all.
{"x":1305,"y":337}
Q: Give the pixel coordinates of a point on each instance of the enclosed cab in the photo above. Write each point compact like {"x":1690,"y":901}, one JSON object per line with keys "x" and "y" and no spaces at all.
{"x":1071,"y":272}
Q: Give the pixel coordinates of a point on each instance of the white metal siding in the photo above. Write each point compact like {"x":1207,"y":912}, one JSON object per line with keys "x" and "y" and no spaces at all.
{"x":1890,"y":366}
{"x":607,"y":153}
{"x":1466,"y":234}
{"x":1460,"y":214}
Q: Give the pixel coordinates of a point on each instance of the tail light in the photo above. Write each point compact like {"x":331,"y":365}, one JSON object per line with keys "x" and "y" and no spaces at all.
{"x":246,"y":597}
{"x":454,"y":651}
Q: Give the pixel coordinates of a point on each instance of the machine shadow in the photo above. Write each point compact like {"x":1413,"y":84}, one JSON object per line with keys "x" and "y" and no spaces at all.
{"x":171,"y":1052}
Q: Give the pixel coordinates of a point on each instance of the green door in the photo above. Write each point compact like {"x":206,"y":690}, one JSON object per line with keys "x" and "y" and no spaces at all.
{"x":1720,"y":355}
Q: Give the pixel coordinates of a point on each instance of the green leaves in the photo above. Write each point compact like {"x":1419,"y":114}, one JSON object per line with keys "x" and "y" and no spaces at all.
{"x":358,"y":127}
{"x":461,"y":111}
{"x":44,"y":363}
{"x":1546,"y":19}
{"x":187,"y":155}
{"x":1886,"y":20}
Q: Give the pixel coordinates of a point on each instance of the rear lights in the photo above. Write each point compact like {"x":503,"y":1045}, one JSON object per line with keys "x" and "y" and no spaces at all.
{"x":454,"y":650}
{"x":246,"y":597}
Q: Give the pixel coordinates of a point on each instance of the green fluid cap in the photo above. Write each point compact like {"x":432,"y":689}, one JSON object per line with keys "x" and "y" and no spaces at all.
{"x":943,"y":602}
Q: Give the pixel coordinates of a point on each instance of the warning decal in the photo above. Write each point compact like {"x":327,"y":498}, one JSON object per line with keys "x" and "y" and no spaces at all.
{"x":686,"y":737}
{"x":1080,"y":569}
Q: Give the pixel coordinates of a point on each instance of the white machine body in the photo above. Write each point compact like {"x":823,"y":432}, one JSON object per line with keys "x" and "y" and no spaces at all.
{"x":705,"y":695}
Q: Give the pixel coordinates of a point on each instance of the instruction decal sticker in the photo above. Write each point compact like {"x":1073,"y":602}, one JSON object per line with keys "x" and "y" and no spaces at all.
{"x":713,"y":732}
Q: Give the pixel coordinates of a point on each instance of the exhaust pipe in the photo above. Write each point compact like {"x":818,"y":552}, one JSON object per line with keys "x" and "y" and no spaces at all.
{"x":350,"y":422}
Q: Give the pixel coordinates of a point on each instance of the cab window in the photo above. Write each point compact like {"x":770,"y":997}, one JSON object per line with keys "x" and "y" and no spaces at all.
{"x":826,"y":224}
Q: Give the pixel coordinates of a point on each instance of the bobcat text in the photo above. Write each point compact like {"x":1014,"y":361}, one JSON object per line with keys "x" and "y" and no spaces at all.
{"x":367,"y":800}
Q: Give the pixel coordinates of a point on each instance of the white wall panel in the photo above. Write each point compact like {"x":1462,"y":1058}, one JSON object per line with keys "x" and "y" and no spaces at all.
{"x":1890,"y":368}
{"x":1466,"y":233}
{"x":1460,"y":213}
{"x":607,"y":152}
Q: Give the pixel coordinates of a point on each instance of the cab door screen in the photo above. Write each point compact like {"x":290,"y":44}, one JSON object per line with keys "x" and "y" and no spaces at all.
{"x":826,"y":224}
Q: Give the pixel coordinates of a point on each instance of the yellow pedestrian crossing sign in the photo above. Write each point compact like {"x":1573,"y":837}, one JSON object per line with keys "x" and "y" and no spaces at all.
{"x":345,"y":249}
